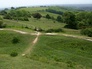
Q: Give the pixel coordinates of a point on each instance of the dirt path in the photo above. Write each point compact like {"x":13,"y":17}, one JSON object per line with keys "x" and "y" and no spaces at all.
{"x":74,"y":36}
{"x":29,"y":49}
{"x":68,"y":35}
{"x":18,"y":31}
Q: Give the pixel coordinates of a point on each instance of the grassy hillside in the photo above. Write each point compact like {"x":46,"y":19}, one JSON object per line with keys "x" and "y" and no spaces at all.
{"x":50,"y":52}
{"x":63,"y":52}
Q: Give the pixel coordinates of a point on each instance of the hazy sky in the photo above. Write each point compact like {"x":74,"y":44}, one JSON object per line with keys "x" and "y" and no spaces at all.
{"x":10,"y":3}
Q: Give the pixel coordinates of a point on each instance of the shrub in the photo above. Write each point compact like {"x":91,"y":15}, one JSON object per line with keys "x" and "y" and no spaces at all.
{"x":87,"y":31}
{"x":49,"y":30}
{"x":38,"y":29}
{"x":2,"y":25}
{"x":59,"y":19}
{"x":14,"y":54}
{"x":15,"y":40}
{"x":7,"y":16}
{"x":59,"y":30}
{"x":26,"y":19}
{"x":54,"y":30}
{"x":48,"y":16}
{"x":37,"y":15}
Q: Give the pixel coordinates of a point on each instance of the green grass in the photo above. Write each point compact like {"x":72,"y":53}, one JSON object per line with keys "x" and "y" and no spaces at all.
{"x":6,"y":45}
{"x":51,"y":52}
{"x":42,"y":23}
{"x":63,"y":52}
{"x":33,"y":9}
{"x":40,"y":10}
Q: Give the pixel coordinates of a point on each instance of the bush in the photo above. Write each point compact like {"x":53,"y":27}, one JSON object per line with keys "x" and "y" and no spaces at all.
{"x":54,"y":30}
{"x":15,"y":40}
{"x":87,"y":31}
{"x":38,"y":29}
{"x":2,"y":25}
{"x":49,"y":30}
{"x":7,"y":16}
{"x":14,"y":54}
{"x":37,"y":15}
{"x":59,"y":19}
{"x":26,"y":19}
{"x":48,"y":16}
{"x":21,"y":18}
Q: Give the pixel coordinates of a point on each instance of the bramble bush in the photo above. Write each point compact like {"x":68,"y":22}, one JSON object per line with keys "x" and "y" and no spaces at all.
{"x":87,"y":31}
{"x":14,"y":54}
{"x":15,"y":40}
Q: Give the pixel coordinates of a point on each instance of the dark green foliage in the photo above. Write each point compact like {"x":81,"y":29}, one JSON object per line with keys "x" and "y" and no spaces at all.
{"x":87,"y":31}
{"x":12,"y":8}
{"x":84,"y":19}
{"x":26,"y":19}
{"x":81,"y":25}
{"x":48,"y":16}
{"x":15,"y":40}
{"x":38,"y":29}
{"x":54,"y":30}
{"x":2,"y":25}
{"x":59,"y":19}
{"x":22,"y":18}
{"x":3,"y":12}
{"x":70,"y":20}
{"x":7,"y":16}
{"x":37,"y":15}
{"x":18,"y":15}
{"x":13,"y":54}
{"x":54,"y":11}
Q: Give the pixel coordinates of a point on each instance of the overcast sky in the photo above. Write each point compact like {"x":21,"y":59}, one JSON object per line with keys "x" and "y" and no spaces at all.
{"x":10,"y":3}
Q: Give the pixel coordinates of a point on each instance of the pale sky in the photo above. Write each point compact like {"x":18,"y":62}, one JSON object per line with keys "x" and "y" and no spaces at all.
{"x":16,"y":3}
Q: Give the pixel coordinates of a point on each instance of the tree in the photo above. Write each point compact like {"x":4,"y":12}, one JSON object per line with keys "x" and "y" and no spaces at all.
{"x":12,"y":8}
{"x":70,"y":20}
{"x":7,"y":16}
{"x":3,"y":12}
{"x":37,"y":15}
{"x":48,"y":16}
{"x":59,"y":19}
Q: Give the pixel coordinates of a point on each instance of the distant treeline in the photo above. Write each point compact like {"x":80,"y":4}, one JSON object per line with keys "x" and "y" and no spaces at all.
{"x":54,"y":11}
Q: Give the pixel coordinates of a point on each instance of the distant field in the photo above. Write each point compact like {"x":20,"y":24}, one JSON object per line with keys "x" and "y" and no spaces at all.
{"x":33,"y":9}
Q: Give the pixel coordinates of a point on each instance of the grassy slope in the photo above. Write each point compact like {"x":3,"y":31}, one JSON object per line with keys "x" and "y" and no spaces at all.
{"x":19,"y":62}
{"x":63,"y":52}
{"x":51,"y":52}
{"x":42,"y":23}
{"x":6,"y":45}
